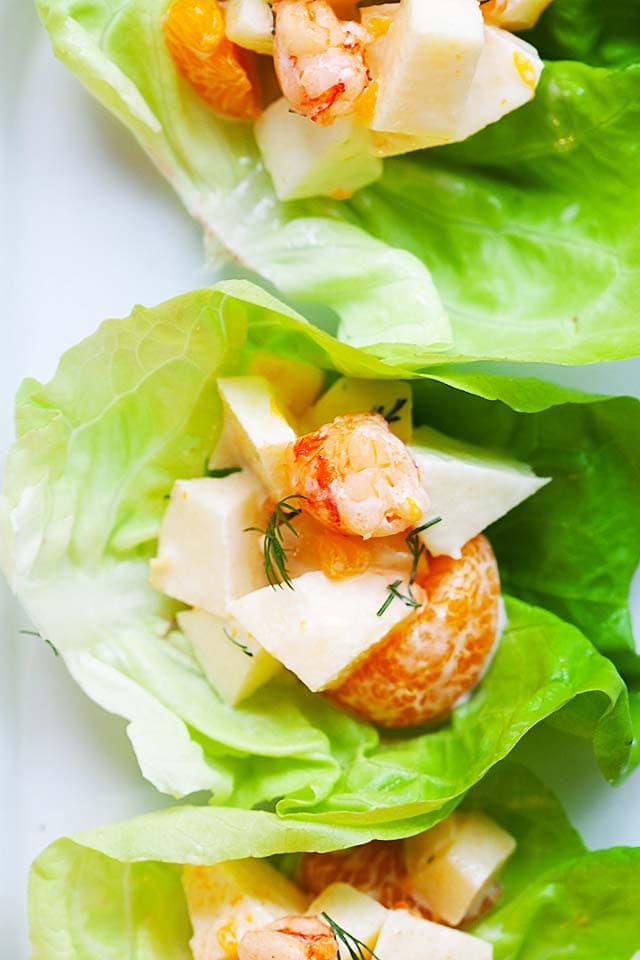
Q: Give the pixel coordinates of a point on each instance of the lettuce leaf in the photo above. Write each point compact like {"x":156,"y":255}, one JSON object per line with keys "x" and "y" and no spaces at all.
{"x":529,"y":230}
{"x":134,"y":407}
{"x":116,"y":890}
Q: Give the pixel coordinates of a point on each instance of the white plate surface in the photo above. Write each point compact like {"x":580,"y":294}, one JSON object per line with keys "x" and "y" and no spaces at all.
{"x":89,"y":229}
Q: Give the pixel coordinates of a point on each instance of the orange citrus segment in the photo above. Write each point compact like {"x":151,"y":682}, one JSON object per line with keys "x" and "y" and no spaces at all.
{"x":436,"y":654}
{"x":375,"y":868}
{"x":220,"y":72}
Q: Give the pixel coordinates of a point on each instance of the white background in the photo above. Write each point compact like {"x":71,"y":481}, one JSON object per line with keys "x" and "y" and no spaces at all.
{"x":88,"y":229}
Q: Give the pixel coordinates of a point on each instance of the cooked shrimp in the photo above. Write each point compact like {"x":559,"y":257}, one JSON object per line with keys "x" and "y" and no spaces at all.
{"x":358,"y":478}
{"x":437,"y":653}
{"x":319,"y":59}
{"x":292,"y":938}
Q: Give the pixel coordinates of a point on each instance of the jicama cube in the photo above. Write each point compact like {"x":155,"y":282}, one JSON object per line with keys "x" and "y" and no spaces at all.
{"x":468,"y":488}
{"x":412,"y":938}
{"x":322,"y":628}
{"x":205,"y":558}
{"x":430,"y":57}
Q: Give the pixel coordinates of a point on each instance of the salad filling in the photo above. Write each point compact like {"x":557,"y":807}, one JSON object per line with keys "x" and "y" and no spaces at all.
{"x":381,"y":900}
{"x":504,"y":876}
{"x":351,"y":554}
{"x":334,"y":86}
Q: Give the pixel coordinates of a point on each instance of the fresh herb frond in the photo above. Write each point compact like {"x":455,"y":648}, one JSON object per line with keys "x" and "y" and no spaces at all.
{"x":221,"y":472}
{"x":356,"y":948}
{"x":395,"y":594}
{"x":416,"y":548}
{"x":34,"y":633}
{"x":275,"y":553}
{"x":237,"y":643}
{"x":392,"y":416}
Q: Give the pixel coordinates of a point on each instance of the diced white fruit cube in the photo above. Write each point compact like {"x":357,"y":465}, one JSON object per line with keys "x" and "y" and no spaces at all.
{"x":411,"y":938}
{"x":228,"y":899}
{"x":306,"y":159}
{"x":430,"y":56}
{"x":204,"y":556}
{"x":451,"y":865}
{"x":249,"y":23}
{"x":359,"y":914}
{"x":506,"y":78}
{"x":348,"y":395}
{"x":257,"y":427}
{"x":468,"y":488}
{"x":232,"y":661}
{"x":514,"y":14}
{"x":321,"y":628}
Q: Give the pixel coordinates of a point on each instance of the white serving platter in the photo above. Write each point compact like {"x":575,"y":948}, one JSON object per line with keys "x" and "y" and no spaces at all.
{"x":88,"y":228}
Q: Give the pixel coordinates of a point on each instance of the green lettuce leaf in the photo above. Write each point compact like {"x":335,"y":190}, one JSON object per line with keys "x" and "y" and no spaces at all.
{"x":134,"y":407}
{"x":529,"y":230}
{"x":116,"y":891}
{"x":583,"y":30}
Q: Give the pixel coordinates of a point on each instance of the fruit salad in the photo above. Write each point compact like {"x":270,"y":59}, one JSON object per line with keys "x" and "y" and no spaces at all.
{"x":340,"y":543}
{"x":333,"y":87}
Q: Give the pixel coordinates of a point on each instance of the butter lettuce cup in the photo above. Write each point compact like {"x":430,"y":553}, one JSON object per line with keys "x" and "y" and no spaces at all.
{"x":504,"y":876}
{"x":513,"y":235}
{"x":315,"y":580}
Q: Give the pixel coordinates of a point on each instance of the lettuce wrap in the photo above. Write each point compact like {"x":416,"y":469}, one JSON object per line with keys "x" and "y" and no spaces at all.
{"x":116,"y":891}
{"x":521,"y":243}
{"x":135,"y":406}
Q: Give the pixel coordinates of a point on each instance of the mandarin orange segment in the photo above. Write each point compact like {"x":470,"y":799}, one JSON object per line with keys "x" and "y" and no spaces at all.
{"x":376,"y":868}
{"x":436,"y":654}
{"x":219,"y":71}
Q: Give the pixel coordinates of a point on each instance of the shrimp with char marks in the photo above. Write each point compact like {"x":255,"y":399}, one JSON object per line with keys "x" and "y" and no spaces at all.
{"x":319,"y":60}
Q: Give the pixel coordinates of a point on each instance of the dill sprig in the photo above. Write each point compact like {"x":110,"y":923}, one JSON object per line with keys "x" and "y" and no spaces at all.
{"x":34,"y":633}
{"x":416,"y":548}
{"x":394,"y":593}
{"x":356,"y":948}
{"x":393,"y":415}
{"x":237,"y":643}
{"x":275,"y":553}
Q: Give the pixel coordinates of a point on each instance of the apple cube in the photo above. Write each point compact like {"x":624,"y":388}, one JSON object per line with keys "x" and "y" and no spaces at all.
{"x":257,"y":427}
{"x":348,"y":395}
{"x":451,"y":865}
{"x":306,"y":159}
{"x":232,"y":661}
